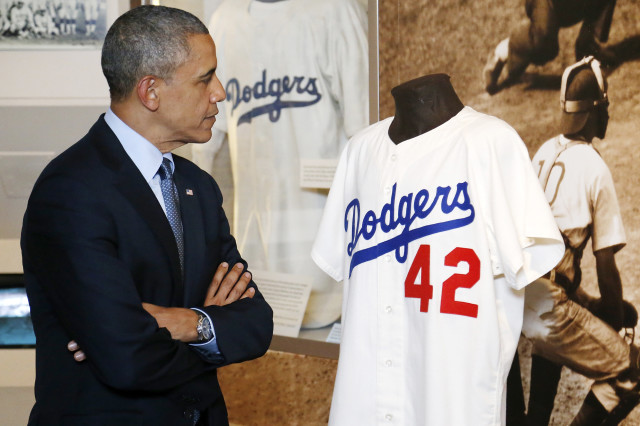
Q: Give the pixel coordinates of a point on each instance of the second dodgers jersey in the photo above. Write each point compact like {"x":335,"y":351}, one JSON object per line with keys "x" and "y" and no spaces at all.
{"x":435,"y":239}
{"x":295,"y":75}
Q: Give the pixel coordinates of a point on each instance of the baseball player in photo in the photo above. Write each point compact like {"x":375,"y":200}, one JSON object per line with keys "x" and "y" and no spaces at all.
{"x":21,"y":20}
{"x":565,"y":325}
{"x":91,"y":10}
{"x":535,"y":39}
{"x":68,"y":12}
{"x":435,"y":238}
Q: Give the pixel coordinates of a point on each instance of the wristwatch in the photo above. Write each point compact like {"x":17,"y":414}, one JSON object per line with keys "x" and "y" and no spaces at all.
{"x":205,"y":332}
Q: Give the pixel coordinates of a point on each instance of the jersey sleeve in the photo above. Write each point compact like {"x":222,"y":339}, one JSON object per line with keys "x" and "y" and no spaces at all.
{"x":608,"y":230}
{"x":328,"y":251}
{"x":524,"y":240}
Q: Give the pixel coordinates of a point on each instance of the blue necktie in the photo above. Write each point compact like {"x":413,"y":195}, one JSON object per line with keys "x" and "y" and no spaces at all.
{"x":172,"y":205}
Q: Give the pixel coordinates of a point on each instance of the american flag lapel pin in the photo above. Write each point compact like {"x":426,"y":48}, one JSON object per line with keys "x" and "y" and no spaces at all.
{"x":189,"y":191}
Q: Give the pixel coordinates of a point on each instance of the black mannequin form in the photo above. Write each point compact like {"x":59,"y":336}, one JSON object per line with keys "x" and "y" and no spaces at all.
{"x":422,"y":104}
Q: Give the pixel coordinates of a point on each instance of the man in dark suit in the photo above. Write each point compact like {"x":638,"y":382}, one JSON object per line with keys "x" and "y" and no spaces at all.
{"x":127,"y":251}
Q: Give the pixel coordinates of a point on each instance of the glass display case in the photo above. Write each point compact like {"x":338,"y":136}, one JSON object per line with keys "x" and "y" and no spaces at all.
{"x":306,"y":90}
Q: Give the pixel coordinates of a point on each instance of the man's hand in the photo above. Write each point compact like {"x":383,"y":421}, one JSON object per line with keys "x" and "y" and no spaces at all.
{"x":78,"y":355}
{"x":629,"y":314}
{"x":228,"y":286}
{"x":181,"y":322}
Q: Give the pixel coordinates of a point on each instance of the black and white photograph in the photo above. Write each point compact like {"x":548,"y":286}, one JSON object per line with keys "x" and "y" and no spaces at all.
{"x":28,"y":24}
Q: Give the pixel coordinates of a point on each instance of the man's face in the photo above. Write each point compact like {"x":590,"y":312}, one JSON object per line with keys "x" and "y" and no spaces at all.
{"x":187,"y":104}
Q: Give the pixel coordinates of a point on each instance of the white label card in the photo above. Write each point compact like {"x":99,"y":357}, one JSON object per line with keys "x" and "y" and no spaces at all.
{"x":335,"y":335}
{"x":317,"y":173}
{"x":287,"y":294}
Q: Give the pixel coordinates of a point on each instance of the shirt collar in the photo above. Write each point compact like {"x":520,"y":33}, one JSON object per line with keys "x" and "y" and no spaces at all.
{"x":143,"y":153}
{"x":563,"y":140}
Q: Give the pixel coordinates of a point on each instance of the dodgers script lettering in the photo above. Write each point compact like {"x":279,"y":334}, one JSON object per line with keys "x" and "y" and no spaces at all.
{"x":403,"y":213}
{"x":273,"y":90}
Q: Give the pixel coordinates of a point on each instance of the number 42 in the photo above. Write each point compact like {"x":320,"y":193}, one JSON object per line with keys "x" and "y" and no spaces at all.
{"x":424,"y":290}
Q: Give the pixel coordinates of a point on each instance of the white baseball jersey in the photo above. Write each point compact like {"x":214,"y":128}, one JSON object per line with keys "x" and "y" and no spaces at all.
{"x":435,"y":239}
{"x":295,"y":73}
{"x":580,"y":190}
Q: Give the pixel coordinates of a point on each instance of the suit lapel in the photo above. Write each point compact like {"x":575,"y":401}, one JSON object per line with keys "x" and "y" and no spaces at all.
{"x":131,"y":184}
{"x":194,"y":242}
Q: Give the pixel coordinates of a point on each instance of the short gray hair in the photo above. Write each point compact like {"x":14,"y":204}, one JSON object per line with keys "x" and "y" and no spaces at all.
{"x":146,"y":40}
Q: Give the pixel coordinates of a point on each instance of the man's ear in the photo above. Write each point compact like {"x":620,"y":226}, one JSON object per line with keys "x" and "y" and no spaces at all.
{"x":148,"y":91}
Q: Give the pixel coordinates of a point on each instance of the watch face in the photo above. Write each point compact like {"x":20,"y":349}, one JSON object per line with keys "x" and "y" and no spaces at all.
{"x":204,"y":328}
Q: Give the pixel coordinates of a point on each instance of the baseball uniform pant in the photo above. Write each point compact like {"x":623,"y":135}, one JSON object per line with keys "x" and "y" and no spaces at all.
{"x":568,"y":334}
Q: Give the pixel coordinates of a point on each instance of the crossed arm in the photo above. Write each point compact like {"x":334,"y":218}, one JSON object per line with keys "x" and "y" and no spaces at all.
{"x":227,"y":286}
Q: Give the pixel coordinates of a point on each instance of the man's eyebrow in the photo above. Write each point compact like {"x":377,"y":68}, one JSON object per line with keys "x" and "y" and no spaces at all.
{"x":209,"y":73}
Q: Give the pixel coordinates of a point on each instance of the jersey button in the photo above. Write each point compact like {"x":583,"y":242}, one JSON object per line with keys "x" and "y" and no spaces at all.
{"x":387,"y":258}
{"x":387,"y":189}
{"x":388,"y":309}
{"x":388,"y":417}
{"x":394,"y":157}
{"x":388,"y":363}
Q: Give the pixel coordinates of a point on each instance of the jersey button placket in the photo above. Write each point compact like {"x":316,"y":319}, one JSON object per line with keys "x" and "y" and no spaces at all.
{"x":387,"y":325}
{"x":389,"y":374}
{"x":386,"y":384}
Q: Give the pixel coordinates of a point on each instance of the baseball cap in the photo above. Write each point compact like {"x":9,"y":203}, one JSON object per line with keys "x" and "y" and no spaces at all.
{"x":583,"y":89}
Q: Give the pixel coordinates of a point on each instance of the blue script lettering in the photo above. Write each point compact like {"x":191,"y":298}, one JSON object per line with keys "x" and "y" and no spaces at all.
{"x":404,"y":213}
{"x":274,"y":89}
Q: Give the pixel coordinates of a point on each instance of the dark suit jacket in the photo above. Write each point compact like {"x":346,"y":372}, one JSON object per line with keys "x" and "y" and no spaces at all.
{"x":95,"y":245}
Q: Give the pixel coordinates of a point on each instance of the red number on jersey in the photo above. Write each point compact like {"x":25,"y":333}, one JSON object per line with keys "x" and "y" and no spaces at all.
{"x":449,"y":304}
{"x":422,"y":290}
